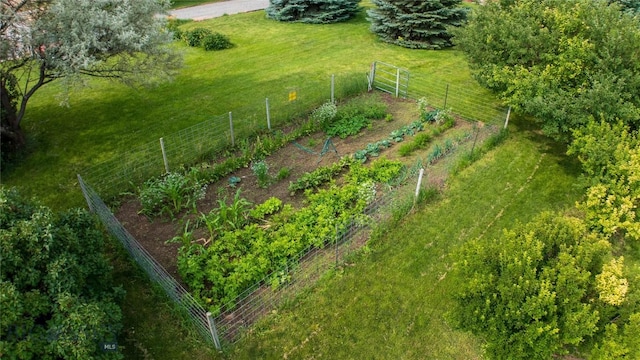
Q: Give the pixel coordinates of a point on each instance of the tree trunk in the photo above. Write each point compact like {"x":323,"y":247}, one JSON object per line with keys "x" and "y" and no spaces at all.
{"x":12,"y":138}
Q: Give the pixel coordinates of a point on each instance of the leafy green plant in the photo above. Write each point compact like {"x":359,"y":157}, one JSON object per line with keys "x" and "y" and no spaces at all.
{"x":319,"y":176}
{"x":170,"y":194}
{"x":57,"y":294}
{"x":283,"y":173}
{"x":216,"y":41}
{"x":269,"y":207}
{"x":420,"y":141}
{"x":324,"y":115}
{"x":348,"y":126}
{"x":261,"y":171}
{"x":227,"y":216}
{"x":194,"y":37}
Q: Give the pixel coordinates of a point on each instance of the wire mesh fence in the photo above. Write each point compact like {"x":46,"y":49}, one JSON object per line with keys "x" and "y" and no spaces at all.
{"x":205,"y":139}
{"x":194,"y":312}
{"x":470,"y":103}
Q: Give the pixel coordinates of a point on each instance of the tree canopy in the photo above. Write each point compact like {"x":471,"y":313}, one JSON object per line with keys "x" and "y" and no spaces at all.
{"x":416,"y":24}
{"x":313,"y":12}
{"x":561,"y":61}
{"x":45,"y":40}
{"x":57,"y":298}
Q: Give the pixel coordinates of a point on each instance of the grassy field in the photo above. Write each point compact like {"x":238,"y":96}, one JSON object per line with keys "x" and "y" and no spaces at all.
{"x":390,"y":303}
{"x":105,"y":119}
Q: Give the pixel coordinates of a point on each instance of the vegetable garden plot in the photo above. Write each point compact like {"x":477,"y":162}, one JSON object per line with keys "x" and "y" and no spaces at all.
{"x":259,"y":275}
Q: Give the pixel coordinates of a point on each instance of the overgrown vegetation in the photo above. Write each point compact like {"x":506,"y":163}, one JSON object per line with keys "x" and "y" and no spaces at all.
{"x":57,"y":295}
{"x":246,"y":244}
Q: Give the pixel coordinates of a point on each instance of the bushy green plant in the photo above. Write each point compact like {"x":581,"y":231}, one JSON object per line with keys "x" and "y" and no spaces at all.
{"x":57,"y":296}
{"x":170,"y":194}
{"x":270,"y":206}
{"x":195,"y":36}
{"x":319,"y":176}
{"x":261,"y":171}
{"x":348,"y":126}
{"x":216,"y":41}
{"x":324,"y":115}
{"x":420,"y":141}
{"x":283,"y":173}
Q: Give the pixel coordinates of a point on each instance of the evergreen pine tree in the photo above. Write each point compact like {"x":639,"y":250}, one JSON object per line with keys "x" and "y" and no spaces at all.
{"x":416,"y":24}
{"x":312,"y":11}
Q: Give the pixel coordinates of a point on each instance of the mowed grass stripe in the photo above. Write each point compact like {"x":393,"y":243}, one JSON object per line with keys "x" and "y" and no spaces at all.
{"x":393,"y":303}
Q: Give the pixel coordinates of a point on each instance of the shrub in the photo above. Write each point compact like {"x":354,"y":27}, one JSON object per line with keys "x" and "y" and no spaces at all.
{"x":216,"y":41}
{"x":194,"y":37}
{"x":323,"y":115}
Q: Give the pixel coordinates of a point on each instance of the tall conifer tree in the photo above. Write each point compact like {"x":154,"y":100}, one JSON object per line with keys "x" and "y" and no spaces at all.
{"x":416,"y":24}
{"x":312,"y":11}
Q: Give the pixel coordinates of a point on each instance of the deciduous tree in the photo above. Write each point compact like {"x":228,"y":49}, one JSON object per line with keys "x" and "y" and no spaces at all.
{"x":562,"y":61}
{"x":45,"y":40}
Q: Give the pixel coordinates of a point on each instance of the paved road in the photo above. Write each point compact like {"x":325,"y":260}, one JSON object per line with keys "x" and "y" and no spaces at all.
{"x":229,"y":7}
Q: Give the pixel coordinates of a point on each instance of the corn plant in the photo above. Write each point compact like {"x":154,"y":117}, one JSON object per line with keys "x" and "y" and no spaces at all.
{"x":227,"y":217}
{"x":170,"y":194}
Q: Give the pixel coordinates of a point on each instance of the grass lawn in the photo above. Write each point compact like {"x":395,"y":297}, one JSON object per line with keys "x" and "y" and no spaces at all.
{"x":106,"y":119}
{"x":392,"y":303}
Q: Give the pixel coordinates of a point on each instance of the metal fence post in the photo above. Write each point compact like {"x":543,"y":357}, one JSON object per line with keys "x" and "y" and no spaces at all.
{"x":268,"y":115}
{"x":214,"y":331}
{"x":372,"y":76}
{"x":446,"y":95}
{"x":164,"y":155}
{"x":233,"y":138}
{"x":419,"y":183}
{"x":506,"y":122}
{"x":333,"y":88}
{"x":397,"y":82}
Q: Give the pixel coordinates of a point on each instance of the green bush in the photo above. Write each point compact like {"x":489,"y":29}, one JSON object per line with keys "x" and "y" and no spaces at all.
{"x":194,"y":37}
{"x":216,"y":41}
{"x":57,"y":296}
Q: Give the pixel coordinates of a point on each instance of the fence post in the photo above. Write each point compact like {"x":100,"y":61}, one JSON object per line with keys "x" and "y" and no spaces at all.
{"x":337,"y":241}
{"x":214,"y":331}
{"x":333,"y":88}
{"x":233,"y":138}
{"x":506,"y":122}
{"x":397,"y":82}
{"x":372,"y":75}
{"x":419,"y":183}
{"x":164,"y":155}
{"x":446,"y":95}
{"x":268,"y":115}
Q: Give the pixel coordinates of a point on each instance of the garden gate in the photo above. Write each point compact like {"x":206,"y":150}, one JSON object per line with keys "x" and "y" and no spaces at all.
{"x":389,"y":78}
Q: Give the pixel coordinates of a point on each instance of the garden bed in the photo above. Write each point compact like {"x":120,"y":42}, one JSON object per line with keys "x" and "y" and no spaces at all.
{"x":297,"y":158}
